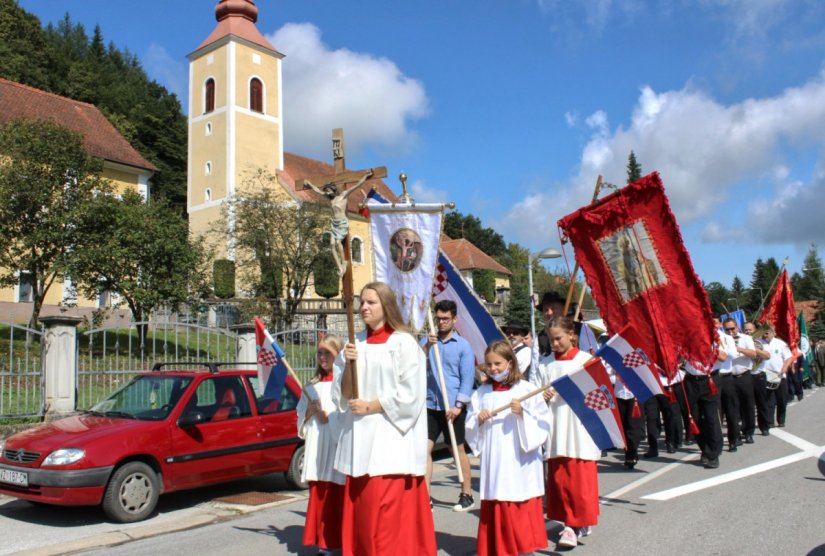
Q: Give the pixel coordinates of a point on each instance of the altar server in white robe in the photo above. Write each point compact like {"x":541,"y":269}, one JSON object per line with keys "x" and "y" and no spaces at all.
{"x":318,"y":425}
{"x":509,"y":444}
{"x":383,"y":445}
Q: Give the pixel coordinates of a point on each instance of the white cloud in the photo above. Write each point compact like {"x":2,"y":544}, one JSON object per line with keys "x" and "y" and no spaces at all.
{"x":751,"y":17}
{"x":713,"y":233}
{"x":701,"y":148}
{"x":423,"y":194}
{"x":168,"y":71}
{"x":324,"y":89}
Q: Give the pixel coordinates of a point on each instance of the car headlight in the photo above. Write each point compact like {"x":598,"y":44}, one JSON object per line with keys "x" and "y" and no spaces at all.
{"x":64,"y":456}
{"x":2,"y":446}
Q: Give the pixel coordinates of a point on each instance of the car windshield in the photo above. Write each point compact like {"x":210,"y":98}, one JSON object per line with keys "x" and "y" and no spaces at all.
{"x":147,"y":397}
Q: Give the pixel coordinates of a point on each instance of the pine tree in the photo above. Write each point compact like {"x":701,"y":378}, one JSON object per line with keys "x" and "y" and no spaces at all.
{"x":634,"y":169}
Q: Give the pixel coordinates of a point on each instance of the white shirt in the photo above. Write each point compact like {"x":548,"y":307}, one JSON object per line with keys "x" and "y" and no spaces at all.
{"x":622,"y":392}
{"x":742,"y":364}
{"x":320,"y":439}
{"x":524,"y":356}
{"x":780,"y":352}
{"x":511,"y":461}
{"x":568,"y":437}
{"x":727,"y":345}
{"x":393,"y":442}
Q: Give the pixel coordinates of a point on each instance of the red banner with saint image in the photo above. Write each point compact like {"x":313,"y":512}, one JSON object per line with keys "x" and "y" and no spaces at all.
{"x":780,"y":312}
{"x":629,"y":246}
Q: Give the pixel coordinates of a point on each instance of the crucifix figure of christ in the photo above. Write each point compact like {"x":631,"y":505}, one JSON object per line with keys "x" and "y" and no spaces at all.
{"x":339,"y":226}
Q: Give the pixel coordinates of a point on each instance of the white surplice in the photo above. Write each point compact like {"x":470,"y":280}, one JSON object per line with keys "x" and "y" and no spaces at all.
{"x":320,"y":439}
{"x":393,"y":442}
{"x":568,"y":437}
{"x":509,"y":445}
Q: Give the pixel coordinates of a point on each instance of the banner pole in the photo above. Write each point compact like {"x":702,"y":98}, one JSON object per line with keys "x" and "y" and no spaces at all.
{"x":758,"y":312}
{"x":576,"y":266}
{"x":440,"y":368}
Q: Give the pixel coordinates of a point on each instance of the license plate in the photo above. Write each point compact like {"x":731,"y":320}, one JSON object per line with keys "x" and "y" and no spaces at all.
{"x":19,"y":478}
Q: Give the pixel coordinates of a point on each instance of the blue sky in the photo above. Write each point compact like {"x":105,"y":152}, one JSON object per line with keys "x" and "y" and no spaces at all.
{"x":511,"y":108}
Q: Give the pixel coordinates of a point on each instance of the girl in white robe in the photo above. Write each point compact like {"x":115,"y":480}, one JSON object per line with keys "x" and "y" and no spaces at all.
{"x":318,"y":425}
{"x":509,"y":443}
{"x":572,"y":475}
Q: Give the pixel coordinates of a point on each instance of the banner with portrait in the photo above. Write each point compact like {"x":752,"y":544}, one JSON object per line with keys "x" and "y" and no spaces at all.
{"x":405,"y":253}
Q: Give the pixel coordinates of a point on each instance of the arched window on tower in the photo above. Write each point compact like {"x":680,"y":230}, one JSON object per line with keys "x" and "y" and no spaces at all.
{"x":256,"y":95}
{"x":357,"y":250}
{"x":209,"y":96}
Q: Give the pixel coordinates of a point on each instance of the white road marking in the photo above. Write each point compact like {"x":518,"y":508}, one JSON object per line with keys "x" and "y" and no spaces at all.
{"x":650,"y":476}
{"x":802,"y":444}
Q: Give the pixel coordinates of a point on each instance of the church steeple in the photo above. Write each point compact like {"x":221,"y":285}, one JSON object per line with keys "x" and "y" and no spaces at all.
{"x":237,"y":18}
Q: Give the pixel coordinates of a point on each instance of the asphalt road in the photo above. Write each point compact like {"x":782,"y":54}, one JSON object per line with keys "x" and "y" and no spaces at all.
{"x":768,"y":498}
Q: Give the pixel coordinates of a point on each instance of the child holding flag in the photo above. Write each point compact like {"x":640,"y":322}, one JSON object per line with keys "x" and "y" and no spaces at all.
{"x":318,"y":426}
{"x":509,"y":443}
{"x":572,"y":479}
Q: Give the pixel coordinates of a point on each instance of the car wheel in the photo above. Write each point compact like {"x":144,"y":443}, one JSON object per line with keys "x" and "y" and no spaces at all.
{"x":296,"y":467}
{"x":132,"y":493}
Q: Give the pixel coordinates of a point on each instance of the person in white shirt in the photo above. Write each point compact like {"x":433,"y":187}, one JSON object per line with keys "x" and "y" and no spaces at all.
{"x":318,"y":426}
{"x":759,"y":380}
{"x":572,"y":478}
{"x":741,"y":366}
{"x":522,"y":343}
{"x":383,"y":445}
{"x":509,"y":445}
{"x":777,"y":366}
{"x":728,"y":399}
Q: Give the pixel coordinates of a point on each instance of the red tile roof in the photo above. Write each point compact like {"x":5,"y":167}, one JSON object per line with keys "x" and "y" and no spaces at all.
{"x":100,"y":138}
{"x":297,"y":167}
{"x":237,"y":18}
{"x":467,"y":256}
{"x":809,"y":308}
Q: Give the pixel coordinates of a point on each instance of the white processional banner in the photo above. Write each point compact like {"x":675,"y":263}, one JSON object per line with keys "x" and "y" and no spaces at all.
{"x":405,"y":252}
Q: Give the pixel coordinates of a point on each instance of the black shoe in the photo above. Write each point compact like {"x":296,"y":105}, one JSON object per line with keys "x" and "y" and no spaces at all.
{"x":712,"y":464}
{"x":766,"y":432}
{"x":690,"y":442}
{"x":651,"y":454}
{"x":732,"y":449}
{"x":781,"y":425}
{"x":465,"y":503}
{"x":704,"y":459}
{"x":739,"y":442}
{"x":749,"y":439}
{"x":670,"y":449}
{"x":630,"y":463}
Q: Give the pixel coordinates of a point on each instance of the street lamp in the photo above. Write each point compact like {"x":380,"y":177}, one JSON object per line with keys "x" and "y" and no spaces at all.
{"x":548,"y":253}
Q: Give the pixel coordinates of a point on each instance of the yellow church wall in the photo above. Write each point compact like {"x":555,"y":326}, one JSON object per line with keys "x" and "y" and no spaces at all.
{"x":121,"y":181}
{"x":266,"y":70}
{"x":201,"y":71}
{"x":208,"y":148}
{"x":362,"y":273}
{"x":257,"y":143}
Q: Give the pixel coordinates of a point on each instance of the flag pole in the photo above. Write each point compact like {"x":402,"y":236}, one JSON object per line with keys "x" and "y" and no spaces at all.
{"x":440,"y":368}
{"x":576,"y":266}
{"x":348,"y":294}
{"x":758,"y":312}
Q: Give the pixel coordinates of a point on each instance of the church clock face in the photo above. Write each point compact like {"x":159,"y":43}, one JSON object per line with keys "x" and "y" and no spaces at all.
{"x":406,"y":249}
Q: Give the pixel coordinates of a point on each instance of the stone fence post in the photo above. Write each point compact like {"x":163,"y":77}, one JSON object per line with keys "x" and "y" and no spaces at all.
{"x":59,"y":364}
{"x":245,"y":345}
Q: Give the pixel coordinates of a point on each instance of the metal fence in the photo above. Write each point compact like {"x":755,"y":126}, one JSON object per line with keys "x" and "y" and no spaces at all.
{"x":22,"y":381}
{"x":300,"y":346}
{"x":107,"y":358}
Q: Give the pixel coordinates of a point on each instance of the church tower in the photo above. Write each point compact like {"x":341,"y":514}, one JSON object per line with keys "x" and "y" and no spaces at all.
{"x":235,"y":112}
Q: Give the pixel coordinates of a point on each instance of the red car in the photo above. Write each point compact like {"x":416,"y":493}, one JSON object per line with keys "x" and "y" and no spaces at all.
{"x":164,"y":431}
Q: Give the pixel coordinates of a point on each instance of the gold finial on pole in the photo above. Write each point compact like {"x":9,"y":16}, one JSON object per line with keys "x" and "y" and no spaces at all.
{"x":405,"y":196}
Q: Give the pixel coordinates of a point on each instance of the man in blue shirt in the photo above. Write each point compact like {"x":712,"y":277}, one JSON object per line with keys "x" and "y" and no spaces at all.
{"x":458,"y":364}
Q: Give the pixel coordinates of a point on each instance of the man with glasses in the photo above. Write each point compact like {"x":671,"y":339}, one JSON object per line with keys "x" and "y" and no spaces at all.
{"x":741,"y":366}
{"x":759,"y":380}
{"x":522,"y":343}
{"x":458,"y":364}
{"x":728,"y":400}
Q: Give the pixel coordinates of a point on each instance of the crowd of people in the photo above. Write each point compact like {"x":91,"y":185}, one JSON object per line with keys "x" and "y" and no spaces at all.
{"x":371,"y":416}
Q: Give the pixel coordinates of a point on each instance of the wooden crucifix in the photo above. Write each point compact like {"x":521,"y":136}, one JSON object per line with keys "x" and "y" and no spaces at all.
{"x":334,"y":188}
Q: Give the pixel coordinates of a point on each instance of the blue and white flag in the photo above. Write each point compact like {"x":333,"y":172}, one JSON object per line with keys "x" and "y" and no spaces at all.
{"x":473,"y":322}
{"x":737,"y":315}
{"x":631,"y":364}
{"x":272,"y":368}
{"x":590,"y":395}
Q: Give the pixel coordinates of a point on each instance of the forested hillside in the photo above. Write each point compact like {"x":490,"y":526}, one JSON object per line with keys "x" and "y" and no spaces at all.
{"x":63,"y":59}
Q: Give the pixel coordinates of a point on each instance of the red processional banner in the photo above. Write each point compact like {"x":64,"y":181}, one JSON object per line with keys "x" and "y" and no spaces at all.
{"x":629,"y":246}
{"x":780,"y":312}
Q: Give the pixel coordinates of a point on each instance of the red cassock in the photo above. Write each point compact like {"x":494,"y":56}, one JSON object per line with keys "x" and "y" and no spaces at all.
{"x":573,"y":491}
{"x":324,"y":513}
{"x":506,"y":528}
{"x":630,"y":249}
{"x":387,"y":515}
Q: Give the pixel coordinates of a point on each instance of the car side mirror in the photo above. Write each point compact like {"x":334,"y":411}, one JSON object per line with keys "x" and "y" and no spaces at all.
{"x":192,"y":418}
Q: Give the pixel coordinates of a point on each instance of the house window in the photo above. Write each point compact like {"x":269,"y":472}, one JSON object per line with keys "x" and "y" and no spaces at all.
{"x":256,"y":95}
{"x":104,"y":299}
{"x":209,"y":128}
{"x":357,"y":247}
{"x":208,"y":168}
{"x":25,"y":287}
{"x":208,"y":194}
{"x":209,"y":96}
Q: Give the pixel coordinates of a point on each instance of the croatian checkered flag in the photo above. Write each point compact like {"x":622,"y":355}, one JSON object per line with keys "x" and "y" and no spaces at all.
{"x":272,"y":369}
{"x":631,"y":363}
{"x":590,"y":395}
